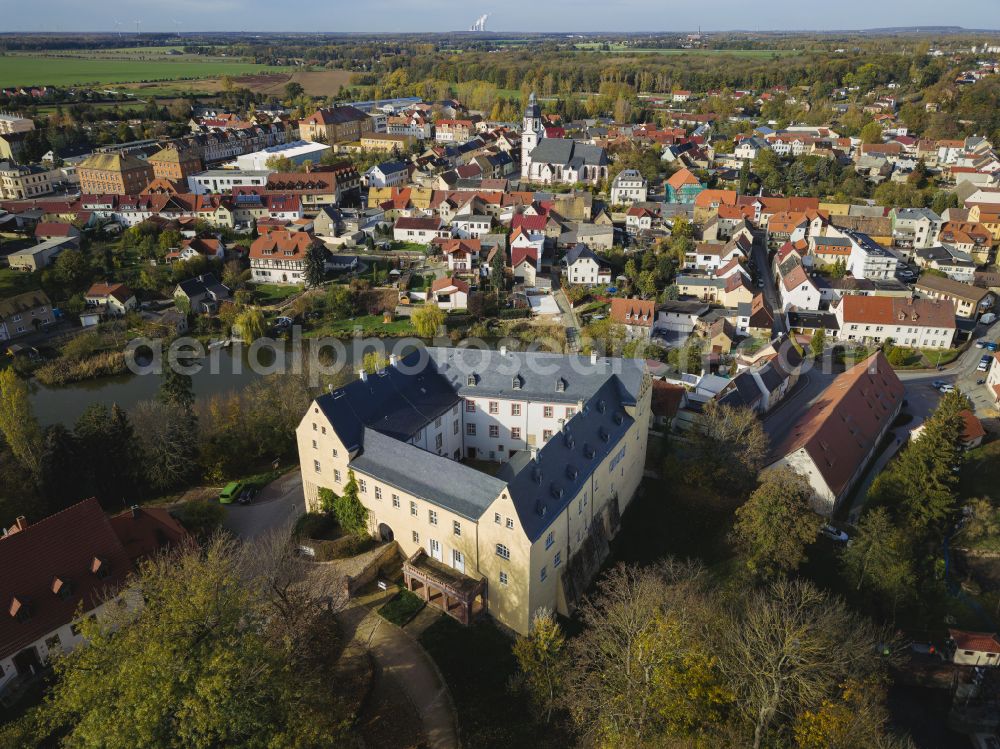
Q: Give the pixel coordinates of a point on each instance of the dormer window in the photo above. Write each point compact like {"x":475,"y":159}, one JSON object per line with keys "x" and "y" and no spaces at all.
{"x":62,"y":587}
{"x":100,"y":567}
{"x":517,"y":382}
{"x":560,"y":385}
{"x":471,"y":380}
{"x":19,"y":609}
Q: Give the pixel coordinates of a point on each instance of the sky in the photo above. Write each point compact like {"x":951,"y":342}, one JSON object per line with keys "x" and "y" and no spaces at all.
{"x":514,"y":15}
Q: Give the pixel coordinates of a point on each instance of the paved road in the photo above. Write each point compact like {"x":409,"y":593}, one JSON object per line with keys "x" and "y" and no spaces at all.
{"x":568,"y":315}
{"x":401,"y":657}
{"x":280,"y":502}
{"x":763,"y":265}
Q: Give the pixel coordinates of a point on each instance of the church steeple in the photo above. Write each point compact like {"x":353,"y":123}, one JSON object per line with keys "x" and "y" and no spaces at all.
{"x":532,"y":130}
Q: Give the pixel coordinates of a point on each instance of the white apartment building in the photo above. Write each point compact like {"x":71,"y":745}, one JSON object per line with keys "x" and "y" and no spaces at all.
{"x":583,"y":266}
{"x":869,"y":259}
{"x":920,"y":323}
{"x":629,"y":187}
{"x":569,"y":433}
{"x":915,"y":228}
{"x":222,"y":181}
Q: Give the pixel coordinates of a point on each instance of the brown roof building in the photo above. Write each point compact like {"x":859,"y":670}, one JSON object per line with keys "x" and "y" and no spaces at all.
{"x":833,"y":442}
{"x":63,"y":567}
{"x":175,"y":164}
{"x":114,"y":174}
{"x":335,"y":125}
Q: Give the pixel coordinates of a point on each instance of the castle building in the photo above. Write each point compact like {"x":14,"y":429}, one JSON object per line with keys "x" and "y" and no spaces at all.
{"x":501,"y":475}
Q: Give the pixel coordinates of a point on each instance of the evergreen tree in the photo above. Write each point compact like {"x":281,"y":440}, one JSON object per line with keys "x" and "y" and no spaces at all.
{"x":109,"y":454}
{"x":498,"y":279}
{"x":60,"y":469}
{"x":316,"y":265}
{"x":350,"y":513}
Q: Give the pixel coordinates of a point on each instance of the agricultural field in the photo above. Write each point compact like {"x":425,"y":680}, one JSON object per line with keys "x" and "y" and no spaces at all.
{"x":73,"y":70}
{"x":315,"y":83}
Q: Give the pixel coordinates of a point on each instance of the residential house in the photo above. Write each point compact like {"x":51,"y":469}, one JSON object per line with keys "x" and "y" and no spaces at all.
{"x":569,"y":431}
{"x":832,"y":444}
{"x":110,"y":299}
{"x":202,"y":294}
{"x":635,"y":315}
{"x":795,"y":287}
{"x":869,"y":259}
{"x":955,"y":264}
{"x":629,"y":187}
{"x":728,"y":292}
{"x":387,"y":174}
{"x":279,"y":257}
{"x":969,"y":301}
{"x":667,"y":400}
{"x":462,"y":254}
{"x":915,"y":228}
{"x":583,"y":266}
{"x":683,"y":186}
{"x":24,"y":313}
{"x":639,"y":218}
{"x":721,"y":336}
{"x":64,"y":568}
{"x":919,"y":323}
{"x":993,"y":378}
{"x":419,"y":229}
{"x":755,"y":318}
{"x":980,"y":649}
{"x":450,"y":293}
{"x":471,"y":226}
{"x":26,"y":181}
{"x":969,"y":237}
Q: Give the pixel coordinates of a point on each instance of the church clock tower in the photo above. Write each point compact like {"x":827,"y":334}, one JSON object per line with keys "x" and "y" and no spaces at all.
{"x":531,"y":132}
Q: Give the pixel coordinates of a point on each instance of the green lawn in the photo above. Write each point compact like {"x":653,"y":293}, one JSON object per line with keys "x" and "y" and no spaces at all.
{"x":935,"y":356}
{"x":28,"y":70}
{"x":402,"y":607}
{"x":269,"y":293}
{"x":15,"y":282}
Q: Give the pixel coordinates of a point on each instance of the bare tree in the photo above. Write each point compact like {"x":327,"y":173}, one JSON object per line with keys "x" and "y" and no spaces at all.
{"x":790,"y":647}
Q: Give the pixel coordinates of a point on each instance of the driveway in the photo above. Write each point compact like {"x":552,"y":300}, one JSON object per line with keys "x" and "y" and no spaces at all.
{"x":568,"y":315}
{"x":401,"y":657}
{"x":279,"y":503}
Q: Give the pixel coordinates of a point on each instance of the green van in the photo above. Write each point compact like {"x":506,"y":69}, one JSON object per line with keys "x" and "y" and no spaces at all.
{"x":231,"y":492}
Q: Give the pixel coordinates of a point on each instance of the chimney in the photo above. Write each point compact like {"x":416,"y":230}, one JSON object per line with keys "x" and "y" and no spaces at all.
{"x":503,"y":351}
{"x":21,"y":523}
{"x":593,"y":357}
{"x":363,"y":375}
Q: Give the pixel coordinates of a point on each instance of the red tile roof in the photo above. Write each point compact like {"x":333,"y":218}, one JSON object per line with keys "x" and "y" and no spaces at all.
{"x":681,"y":177}
{"x":444,"y":283}
{"x":639,"y":312}
{"x":839,"y":431}
{"x":982,"y":642}
{"x":972,"y":428}
{"x":119,"y":291}
{"x":934,"y":313}
{"x":55,"y":229}
{"x":282,"y":245}
{"x":63,"y":547}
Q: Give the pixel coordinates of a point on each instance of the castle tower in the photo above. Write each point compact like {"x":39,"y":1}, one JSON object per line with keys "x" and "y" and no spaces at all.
{"x":532,"y":131}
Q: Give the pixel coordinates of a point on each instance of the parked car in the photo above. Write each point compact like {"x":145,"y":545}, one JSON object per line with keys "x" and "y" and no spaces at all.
{"x":231,"y":492}
{"x":984,"y":363}
{"x":991,"y":346}
{"x":834,"y":534}
{"x":925,"y":648}
{"x":247,"y":496}
{"x":988,"y":319}
{"x":938,"y":384}
{"x":947,"y":388}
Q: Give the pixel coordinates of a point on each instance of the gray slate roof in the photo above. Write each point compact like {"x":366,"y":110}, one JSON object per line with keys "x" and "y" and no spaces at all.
{"x":542,"y":487}
{"x":494,"y":373}
{"x":566,"y":152}
{"x":431,"y":477}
